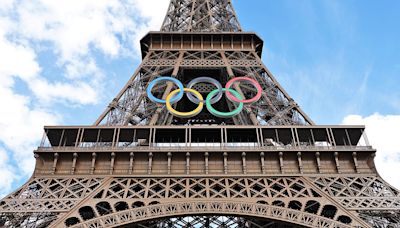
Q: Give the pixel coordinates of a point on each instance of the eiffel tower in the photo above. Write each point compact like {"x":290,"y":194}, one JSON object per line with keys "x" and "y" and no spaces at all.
{"x":260,"y":162}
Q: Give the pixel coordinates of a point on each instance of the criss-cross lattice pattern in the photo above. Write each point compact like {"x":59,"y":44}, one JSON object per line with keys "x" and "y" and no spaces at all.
{"x":131,"y":106}
{"x":202,"y":16}
{"x":151,"y":188}
{"x":127,"y":198}
{"x":360,"y":193}
{"x":53,"y":194}
{"x":177,"y":209}
{"x":202,"y":38}
{"x":209,"y":221}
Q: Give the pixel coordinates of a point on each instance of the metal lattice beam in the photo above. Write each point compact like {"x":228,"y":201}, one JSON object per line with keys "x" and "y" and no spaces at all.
{"x":201,"y":16}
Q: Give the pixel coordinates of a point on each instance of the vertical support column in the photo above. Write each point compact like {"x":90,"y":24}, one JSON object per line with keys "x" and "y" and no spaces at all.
{"x":244,"y":163}
{"x":252,"y":116}
{"x":355,"y":162}
{"x":258,"y":138}
{"x":261,"y":137}
{"x":156,"y":115}
{"x":281,"y":162}
{"x":300,"y":162}
{"x":317,"y":157}
{"x":169,"y":155}
{"x":336,"y":154}
{"x":94,"y":155}
{"x":187,"y":163}
{"x":112,"y":163}
{"x":80,"y":139}
{"x":296,"y":133}
{"x":55,"y":160}
{"x":262,"y":157}
{"x":116,"y":137}
{"x":60,"y":143}
{"x":131,"y":160}
{"x":329,"y":138}
{"x":225,"y":162}
{"x":294,"y":140}
{"x":332,"y":136}
{"x":150,"y":167}
{"x":206,"y":161}
{"x":167,"y":91}
{"x":74,"y":157}
{"x":186,"y":136}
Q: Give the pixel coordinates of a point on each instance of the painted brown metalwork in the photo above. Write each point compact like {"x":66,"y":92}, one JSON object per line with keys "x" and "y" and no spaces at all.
{"x":138,"y":165}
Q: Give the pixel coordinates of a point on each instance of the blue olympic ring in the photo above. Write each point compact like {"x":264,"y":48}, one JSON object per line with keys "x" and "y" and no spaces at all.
{"x":175,"y":99}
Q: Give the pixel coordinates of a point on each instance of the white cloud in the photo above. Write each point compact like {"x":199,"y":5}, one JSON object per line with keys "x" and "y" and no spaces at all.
{"x":21,"y":127}
{"x":7,"y":174}
{"x":75,"y":34}
{"x":382,"y":132}
{"x":81,"y":93}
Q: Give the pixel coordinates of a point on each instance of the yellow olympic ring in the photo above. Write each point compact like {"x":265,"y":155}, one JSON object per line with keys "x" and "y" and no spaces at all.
{"x":184,"y":114}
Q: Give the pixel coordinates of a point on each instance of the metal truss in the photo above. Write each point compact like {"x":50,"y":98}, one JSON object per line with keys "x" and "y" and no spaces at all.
{"x":288,"y":199}
{"x":139,"y":166}
{"x":361,"y":193}
{"x":212,"y":221}
{"x":55,"y":194}
{"x":30,"y":220}
{"x":201,"y":16}
{"x":39,"y":202}
{"x":382,"y":219}
{"x":132,"y":107}
{"x":113,"y":202}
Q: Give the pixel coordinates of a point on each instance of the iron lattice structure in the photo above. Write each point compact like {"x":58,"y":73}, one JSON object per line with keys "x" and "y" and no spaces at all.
{"x":140,"y":166}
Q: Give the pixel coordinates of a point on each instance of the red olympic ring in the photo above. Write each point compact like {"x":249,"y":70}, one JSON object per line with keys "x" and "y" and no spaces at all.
{"x":252,"y":81}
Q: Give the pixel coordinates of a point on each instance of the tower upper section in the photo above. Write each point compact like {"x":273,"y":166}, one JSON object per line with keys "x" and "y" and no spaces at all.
{"x":201,"y":16}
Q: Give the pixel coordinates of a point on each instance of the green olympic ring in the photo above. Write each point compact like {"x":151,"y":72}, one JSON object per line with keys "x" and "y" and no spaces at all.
{"x":217,"y":113}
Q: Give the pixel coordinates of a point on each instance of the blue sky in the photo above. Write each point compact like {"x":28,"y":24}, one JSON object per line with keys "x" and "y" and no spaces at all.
{"x":62,"y":62}
{"x":334,"y":57}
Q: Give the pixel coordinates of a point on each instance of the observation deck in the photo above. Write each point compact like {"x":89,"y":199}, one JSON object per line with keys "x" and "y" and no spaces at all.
{"x":199,"y":150}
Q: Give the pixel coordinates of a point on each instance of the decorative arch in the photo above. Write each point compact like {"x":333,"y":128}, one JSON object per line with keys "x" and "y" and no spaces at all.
{"x":179,"y":209}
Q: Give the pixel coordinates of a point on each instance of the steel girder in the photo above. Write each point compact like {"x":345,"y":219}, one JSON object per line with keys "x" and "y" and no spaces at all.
{"x":131,"y":106}
{"x":201,"y":16}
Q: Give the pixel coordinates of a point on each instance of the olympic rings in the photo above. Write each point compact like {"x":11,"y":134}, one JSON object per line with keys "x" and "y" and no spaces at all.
{"x":196,"y":97}
{"x":252,"y":81}
{"x":209,"y":80}
{"x":233,"y":113}
{"x":185,"y":114}
{"x":163,"y":78}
